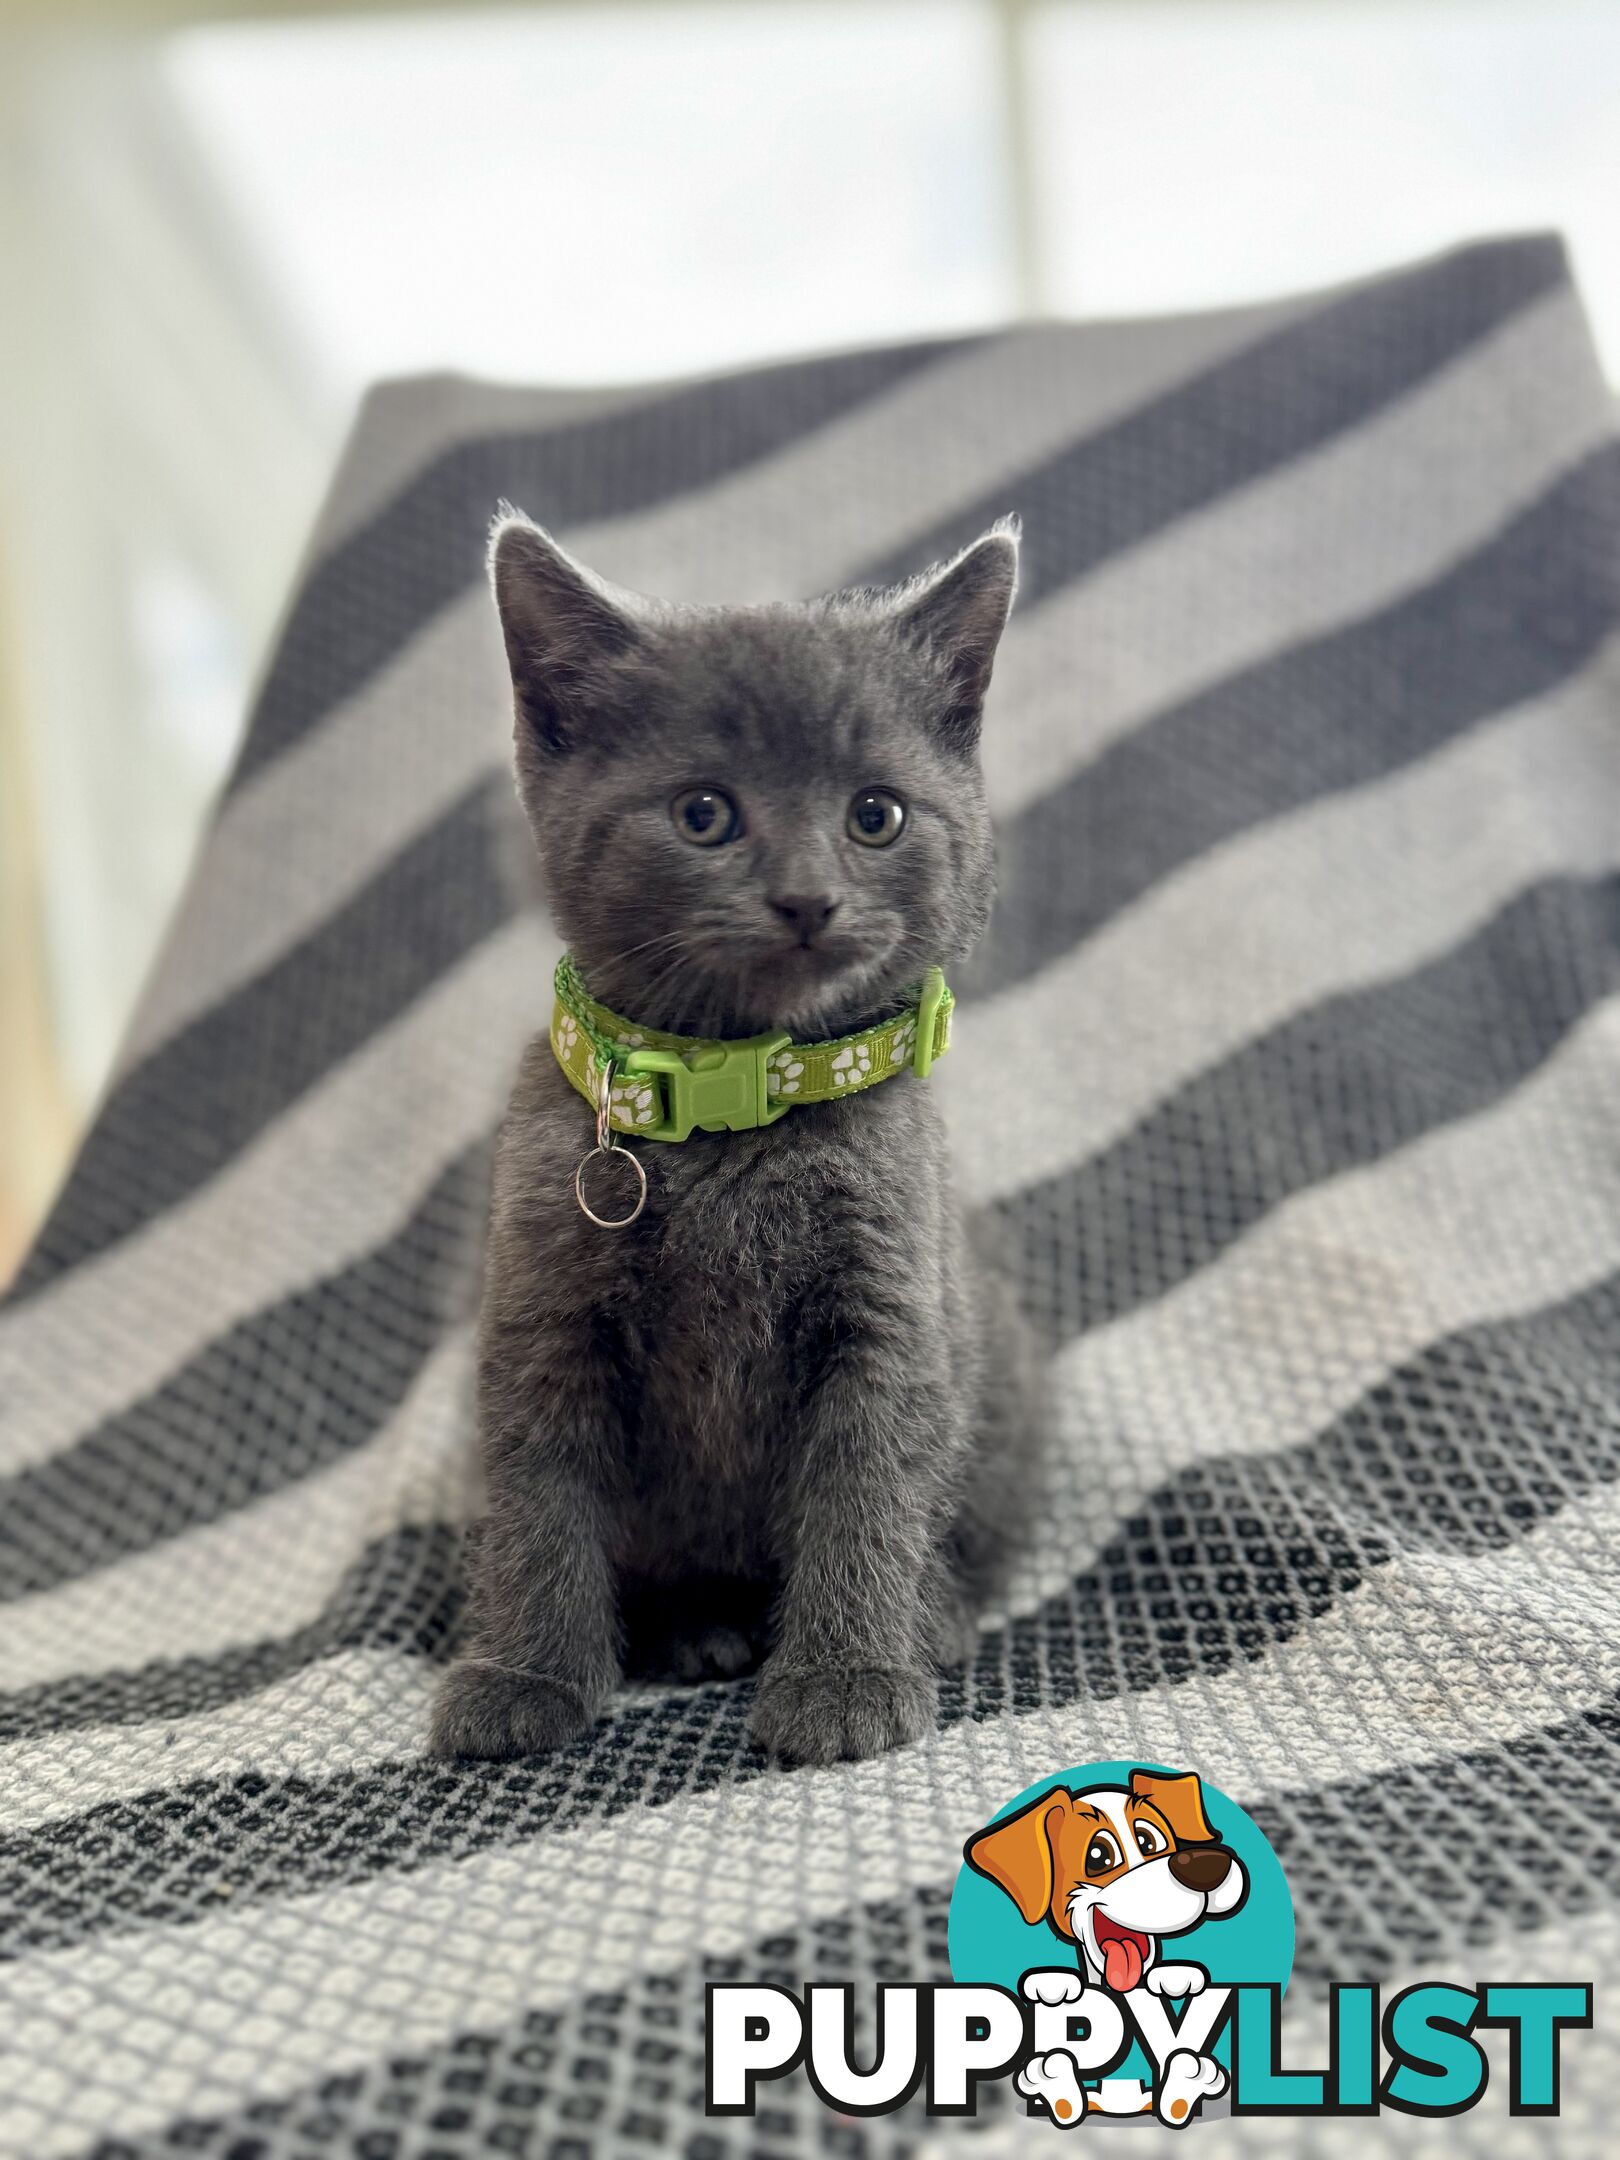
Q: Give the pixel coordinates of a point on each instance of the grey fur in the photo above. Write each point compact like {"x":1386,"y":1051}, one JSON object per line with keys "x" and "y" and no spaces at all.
{"x":783,"y":1415}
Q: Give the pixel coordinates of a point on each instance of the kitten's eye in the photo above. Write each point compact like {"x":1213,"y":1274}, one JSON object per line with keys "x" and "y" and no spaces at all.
{"x":875,"y":817}
{"x":705,"y":817}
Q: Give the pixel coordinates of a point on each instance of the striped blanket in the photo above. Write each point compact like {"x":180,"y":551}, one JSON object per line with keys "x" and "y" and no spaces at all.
{"x":1304,"y":750}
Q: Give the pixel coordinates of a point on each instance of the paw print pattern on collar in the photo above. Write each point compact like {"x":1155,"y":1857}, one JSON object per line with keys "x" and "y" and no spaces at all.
{"x":852,"y":1066}
{"x":784,"y":1073}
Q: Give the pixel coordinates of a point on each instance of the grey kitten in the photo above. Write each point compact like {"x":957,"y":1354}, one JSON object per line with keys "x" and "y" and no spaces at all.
{"x":783,"y":1415}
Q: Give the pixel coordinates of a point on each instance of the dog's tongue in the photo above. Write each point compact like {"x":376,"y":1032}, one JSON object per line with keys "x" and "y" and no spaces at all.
{"x":1122,"y":1964}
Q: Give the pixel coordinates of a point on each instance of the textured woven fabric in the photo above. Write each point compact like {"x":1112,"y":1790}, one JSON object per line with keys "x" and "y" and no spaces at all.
{"x":1304,"y":754}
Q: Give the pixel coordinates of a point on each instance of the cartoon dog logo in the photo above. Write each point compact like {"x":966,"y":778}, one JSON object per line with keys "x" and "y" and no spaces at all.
{"x":1114,"y":1871}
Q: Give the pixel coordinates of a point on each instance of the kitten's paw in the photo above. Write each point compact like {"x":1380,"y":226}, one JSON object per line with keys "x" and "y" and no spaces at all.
{"x":836,"y":1716}
{"x":690,"y":1655}
{"x":716,"y":1653}
{"x":706,"y":1628}
{"x":493,"y":1715}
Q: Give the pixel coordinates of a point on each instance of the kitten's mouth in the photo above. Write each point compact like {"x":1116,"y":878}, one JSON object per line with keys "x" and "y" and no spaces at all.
{"x":813,"y":988}
{"x":798,"y":979}
{"x":750,"y":984}
{"x":824,"y":954}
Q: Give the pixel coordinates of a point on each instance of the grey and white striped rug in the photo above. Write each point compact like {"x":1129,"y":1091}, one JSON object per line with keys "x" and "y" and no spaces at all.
{"x":1304,"y":748}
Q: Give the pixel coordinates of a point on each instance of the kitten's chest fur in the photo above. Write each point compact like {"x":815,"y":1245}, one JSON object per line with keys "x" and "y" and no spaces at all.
{"x":712,"y":1302}
{"x":723,"y":1274}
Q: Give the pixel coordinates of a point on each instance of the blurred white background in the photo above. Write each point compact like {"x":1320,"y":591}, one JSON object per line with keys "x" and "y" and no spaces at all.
{"x":217,"y":225}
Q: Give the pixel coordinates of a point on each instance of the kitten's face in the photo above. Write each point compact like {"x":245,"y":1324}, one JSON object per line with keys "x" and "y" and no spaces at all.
{"x":755,"y":818}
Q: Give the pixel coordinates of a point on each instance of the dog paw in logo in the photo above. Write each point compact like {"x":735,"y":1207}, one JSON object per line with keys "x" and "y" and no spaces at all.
{"x":784,"y":1073}
{"x":1053,"y":2081}
{"x":635,"y":1041}
{"x":633,"y":1104}
{"x":566,"y":1037}
{"x":1188,"y":2080}
{"x":902,"y":1042}
{"x":851,"y":1067}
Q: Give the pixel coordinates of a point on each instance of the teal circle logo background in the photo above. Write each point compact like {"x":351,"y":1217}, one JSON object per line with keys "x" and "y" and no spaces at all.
{"x":990,"y":1940}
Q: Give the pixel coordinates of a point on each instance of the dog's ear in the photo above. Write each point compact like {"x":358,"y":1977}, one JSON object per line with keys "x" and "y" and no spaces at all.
{"x":1180,"y":1800}
{"x":1017,"y":1853}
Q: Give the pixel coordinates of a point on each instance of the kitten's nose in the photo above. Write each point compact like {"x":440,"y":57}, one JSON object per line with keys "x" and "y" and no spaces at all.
{"x":808,"y":913}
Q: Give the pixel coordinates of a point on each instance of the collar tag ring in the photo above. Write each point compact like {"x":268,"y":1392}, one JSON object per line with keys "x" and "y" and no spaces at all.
{"x":613,"y":1154}
{"x":608,"y":1144}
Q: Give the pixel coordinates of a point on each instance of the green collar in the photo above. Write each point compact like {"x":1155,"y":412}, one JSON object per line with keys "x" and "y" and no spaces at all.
{"x":661,"y":1085}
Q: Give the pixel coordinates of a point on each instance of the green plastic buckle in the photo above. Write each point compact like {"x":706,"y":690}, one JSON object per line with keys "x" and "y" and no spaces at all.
{"x":928,"y":1004}
{"x":718,"y":1086}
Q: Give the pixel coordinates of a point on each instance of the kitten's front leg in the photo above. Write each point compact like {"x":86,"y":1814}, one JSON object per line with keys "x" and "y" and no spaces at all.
{"x":853,"y":1672}
{"x":542,"y":1659}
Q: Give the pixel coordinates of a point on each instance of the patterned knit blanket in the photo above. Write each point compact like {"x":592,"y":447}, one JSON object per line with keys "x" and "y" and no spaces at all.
{"x":1305,"y":754}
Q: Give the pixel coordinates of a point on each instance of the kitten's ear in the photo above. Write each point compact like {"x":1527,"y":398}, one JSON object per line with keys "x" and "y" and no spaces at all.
{"x":959,"y":611}
{"x":563,"y":627}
